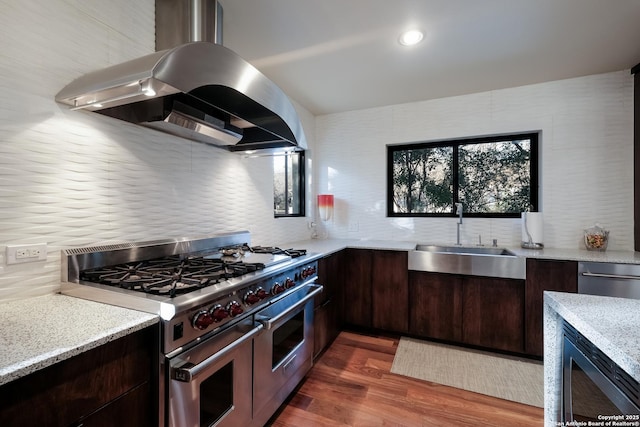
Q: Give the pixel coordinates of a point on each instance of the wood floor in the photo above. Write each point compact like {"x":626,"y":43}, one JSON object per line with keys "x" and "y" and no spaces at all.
{"x":351,"y":385}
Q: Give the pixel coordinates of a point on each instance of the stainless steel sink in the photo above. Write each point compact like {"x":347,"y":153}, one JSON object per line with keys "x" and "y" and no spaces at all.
{"x":473,"y":261}
{"x":475,"y":250}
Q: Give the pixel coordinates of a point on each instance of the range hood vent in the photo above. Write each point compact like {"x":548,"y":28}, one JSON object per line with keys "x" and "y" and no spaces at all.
{"x":198,"y":89}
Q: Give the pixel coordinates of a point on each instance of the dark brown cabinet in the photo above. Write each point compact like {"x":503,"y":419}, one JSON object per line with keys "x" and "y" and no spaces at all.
{"x":544,"y":275}
{"x":376,"y":291}
{"x":493,"y":313}
{"x":113,"y":384}
{"x":481,"y":311}
{"x":435,"y":305}
{"x":356,"y":297}
{"x":390,"y":283}
{"x":327,"y":313}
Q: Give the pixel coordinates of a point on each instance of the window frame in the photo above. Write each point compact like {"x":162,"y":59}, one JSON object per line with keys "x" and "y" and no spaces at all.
{"x":301,"y":187}
{"x":533,"y":136}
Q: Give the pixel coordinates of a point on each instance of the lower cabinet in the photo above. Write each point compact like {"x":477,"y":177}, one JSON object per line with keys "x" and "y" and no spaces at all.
{"x":327,"y":312}
{"x":493,"y":313}
{"x":481,"y":311}
{"x":376,"y":291}
{"x":544,"y":275}
{"x":111,"y":385}
{"x":367,"y":288}
{"x":435,"y":305}
{"x":390,"y":291}
{"x":356,"y":291}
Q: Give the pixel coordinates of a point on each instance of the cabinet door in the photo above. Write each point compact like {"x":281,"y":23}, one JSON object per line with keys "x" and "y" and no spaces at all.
{"x":328,"y":319}
{"x":544,"y":275}
{"x":356,"y":304}
{"x":390,"y":291}
{"x":493,"y":313}
{"x":435,"y":305}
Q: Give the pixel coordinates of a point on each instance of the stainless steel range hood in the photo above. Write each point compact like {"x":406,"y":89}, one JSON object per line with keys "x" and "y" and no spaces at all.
{"x":197,"y":90}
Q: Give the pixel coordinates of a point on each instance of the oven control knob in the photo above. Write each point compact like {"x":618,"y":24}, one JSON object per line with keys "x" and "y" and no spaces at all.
{"x":202,"y":320}
{"x":251,"y":298}
{"x":288,"y":284}
{"x":218,"y":313}
{"x":308,"y":272}
{"x":261,"y":293}
{"x":277,"y":289}
{"x":234,"y":308}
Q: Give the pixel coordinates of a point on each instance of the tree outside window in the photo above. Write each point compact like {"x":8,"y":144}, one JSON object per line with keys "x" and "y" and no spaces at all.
{"x":491,"y":176}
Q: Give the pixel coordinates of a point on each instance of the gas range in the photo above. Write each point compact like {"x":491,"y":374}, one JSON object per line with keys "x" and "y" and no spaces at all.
{"x":197,"y":286}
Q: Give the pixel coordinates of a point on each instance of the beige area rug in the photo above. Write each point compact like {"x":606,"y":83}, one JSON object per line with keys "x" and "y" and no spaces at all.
{"x":505,"y":377}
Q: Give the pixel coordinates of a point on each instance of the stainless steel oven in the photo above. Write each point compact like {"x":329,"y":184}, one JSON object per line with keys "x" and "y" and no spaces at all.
{"x":218,"y":299}
{"x":283,"y":350}
{"x":211,"y":384}
{"x":594,"y":388}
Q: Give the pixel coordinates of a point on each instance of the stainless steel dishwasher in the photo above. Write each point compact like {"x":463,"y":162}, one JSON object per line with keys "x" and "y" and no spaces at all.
{"x":608,"y":279}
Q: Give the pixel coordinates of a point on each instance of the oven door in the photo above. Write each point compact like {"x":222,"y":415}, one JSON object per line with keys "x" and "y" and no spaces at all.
{"x":211,"y":383}
{"x":588,"y":394}
{"x":283,"y":350}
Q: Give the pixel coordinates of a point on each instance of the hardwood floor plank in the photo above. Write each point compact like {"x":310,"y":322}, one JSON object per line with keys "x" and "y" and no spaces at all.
{"x":351,"y":386}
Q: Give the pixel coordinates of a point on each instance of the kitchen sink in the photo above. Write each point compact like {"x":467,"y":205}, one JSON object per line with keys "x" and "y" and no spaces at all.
{"x":475,"y":250}
{"x":471,"y":261}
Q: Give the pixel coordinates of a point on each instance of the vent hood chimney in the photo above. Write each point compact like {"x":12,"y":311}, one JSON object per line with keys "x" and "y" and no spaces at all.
{"x":193,"y":87}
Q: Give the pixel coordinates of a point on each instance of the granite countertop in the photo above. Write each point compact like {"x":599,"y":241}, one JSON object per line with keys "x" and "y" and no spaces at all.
{"x":609,"y":323}
{"x":78,"y":325}
{"x":328,"y":246}
{"x":41,"y":331}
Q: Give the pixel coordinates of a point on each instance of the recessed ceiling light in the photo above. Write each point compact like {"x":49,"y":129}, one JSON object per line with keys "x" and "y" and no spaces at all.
{"x":410,"y":38}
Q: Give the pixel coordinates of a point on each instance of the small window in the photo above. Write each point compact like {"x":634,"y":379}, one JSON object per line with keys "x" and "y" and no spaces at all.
{"x":288,"y":184}
{"x":491,"y":176}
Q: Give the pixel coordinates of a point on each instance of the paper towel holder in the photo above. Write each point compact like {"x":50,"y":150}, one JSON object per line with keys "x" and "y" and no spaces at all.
{"x":529,"y":244}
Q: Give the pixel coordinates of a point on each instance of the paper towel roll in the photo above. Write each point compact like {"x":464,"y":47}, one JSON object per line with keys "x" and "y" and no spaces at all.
{"x":532,"y":222}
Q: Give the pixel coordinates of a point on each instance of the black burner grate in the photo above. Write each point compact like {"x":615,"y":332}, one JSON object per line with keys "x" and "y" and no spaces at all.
{"x":169,"y":276}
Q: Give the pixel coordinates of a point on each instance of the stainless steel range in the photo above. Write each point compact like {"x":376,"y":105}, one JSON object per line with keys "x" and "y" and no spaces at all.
{"x":236,"y":320}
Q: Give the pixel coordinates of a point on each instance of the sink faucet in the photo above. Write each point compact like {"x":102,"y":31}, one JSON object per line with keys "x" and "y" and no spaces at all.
{"x":459,"y":213}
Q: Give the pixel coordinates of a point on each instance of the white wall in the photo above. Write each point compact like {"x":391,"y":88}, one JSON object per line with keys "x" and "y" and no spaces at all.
{"x":586,"y":161}
{"x":75,"y":178}
{"x":72,"y":178}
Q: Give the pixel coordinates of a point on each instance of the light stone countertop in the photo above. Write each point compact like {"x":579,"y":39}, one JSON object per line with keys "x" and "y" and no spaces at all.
{"x":328,"y":246}
{"x":79,"y":325}
{"x":41,"y":331}
{"x":611,"y":324}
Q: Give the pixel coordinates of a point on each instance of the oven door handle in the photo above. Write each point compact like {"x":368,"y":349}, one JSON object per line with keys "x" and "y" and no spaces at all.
{"x":268,"y":322}
{"x":189,"y":371}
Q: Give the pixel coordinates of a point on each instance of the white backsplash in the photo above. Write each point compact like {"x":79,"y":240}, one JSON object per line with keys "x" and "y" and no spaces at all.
{"x":70,"y":178}
{"x":586,"y":160}
{"x":76,"y":178}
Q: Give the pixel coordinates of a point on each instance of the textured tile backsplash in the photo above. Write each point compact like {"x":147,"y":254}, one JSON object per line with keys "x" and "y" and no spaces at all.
{"x":71,"y":178}
{"x":75,"y":178}
{"x":586,"y":159}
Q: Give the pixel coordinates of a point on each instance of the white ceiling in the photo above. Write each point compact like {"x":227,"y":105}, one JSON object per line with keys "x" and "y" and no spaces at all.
{"x":341,"y":55}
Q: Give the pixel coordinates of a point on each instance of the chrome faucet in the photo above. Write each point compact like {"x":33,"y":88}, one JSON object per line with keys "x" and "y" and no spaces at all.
{"x":459,"y":213}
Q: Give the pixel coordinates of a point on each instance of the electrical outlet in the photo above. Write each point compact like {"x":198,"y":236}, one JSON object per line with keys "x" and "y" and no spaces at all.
{"x":17,"y":254}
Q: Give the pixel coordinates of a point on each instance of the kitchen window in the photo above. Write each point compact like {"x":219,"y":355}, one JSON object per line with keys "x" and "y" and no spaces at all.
{"x":288,"y":184}
{"x":492,"y":176}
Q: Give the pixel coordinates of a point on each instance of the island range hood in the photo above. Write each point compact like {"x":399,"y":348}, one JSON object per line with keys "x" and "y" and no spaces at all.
{"x":193,"y":87}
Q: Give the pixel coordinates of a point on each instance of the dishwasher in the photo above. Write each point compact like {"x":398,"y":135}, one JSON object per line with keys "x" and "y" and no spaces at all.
{"x":609,"y":279}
